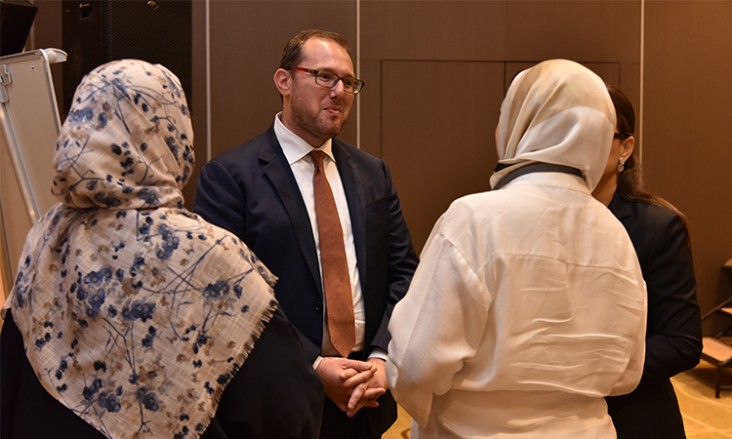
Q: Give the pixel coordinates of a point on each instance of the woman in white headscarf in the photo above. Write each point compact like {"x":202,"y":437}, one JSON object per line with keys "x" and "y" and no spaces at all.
{"x":131,"y":317}
{"x":528,"y":305}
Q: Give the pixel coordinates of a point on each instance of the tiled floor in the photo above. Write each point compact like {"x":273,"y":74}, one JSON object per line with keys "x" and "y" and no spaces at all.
{"x":705,"y":417}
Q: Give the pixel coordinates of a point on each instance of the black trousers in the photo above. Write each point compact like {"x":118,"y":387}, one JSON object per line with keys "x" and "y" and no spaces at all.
{"x":368,"y":423}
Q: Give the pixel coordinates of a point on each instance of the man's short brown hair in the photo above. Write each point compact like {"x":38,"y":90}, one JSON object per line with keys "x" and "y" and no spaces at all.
{"x":292,"y":53}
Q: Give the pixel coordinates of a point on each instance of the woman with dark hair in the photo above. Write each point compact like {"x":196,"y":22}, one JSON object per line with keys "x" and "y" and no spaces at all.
{"x":673,"y":335}
{"x":130,"y":316}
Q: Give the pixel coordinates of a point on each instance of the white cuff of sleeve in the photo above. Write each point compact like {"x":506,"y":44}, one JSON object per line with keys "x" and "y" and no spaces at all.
{"x":317,"y":361}
{"x":378,"y":353}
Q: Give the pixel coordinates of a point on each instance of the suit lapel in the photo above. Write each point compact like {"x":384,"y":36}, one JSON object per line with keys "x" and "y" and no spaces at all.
{"x":278,"y":171}
{"x":353,"y":187}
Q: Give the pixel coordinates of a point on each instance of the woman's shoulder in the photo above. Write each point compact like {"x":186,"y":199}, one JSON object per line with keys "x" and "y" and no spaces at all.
{"x":647,"y":211}
{"x":650,"y":221}
{"x":656,"y":211}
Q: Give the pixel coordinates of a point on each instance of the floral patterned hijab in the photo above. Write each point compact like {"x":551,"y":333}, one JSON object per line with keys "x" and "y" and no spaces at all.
{"x":135,"y":313}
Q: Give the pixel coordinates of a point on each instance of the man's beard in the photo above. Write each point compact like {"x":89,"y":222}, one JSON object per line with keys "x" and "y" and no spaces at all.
{"x":318,"y":126}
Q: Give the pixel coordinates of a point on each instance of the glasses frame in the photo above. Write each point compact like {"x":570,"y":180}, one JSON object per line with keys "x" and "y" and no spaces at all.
{"x":357,"y":83}
{"x":621,"y":136}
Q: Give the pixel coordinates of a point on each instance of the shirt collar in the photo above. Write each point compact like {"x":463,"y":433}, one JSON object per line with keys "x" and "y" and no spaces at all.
{"x":294,"y":147}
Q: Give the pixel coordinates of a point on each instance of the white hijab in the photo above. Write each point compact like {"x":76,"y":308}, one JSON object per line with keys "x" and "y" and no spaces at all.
{"x":557,"y":112}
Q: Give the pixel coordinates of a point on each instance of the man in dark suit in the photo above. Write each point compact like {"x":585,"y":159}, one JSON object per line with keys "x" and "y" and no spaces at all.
{"x":264,"y":191}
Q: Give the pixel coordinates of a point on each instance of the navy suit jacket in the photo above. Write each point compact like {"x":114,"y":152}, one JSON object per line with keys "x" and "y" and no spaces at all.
{"x":251,"y":191}
{"x":673,"y":334}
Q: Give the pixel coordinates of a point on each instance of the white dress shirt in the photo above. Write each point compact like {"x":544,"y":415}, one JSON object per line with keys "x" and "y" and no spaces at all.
{"x":297,"y":153}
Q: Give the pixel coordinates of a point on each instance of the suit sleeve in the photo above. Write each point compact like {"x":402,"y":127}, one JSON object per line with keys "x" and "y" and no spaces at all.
{"x":402,"y":262}
{"x":219,"y":199}
{"x":674,"y":339}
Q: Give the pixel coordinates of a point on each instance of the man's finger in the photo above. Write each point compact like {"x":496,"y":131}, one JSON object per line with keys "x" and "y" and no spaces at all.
{"x":359,"y":378}
{"x":373,"y":393}
{"x":356,"y":395}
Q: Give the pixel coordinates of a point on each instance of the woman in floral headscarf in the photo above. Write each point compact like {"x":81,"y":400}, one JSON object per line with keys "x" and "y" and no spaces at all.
{"x":134,"y":314}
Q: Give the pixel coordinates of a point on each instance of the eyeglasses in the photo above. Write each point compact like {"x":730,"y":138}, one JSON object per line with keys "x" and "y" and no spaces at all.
{"x":621,"y":136}
{"x":329,"y":80}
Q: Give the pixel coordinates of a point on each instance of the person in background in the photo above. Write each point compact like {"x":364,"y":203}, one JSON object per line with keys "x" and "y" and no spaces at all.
{"x":131,"y":317}
{"x":528,"y":306}
{"x":661,"y":240}
{"x":325,"y":218}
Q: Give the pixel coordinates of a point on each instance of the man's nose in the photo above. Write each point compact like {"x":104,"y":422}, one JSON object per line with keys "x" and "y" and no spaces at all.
{"x":338,"y":88}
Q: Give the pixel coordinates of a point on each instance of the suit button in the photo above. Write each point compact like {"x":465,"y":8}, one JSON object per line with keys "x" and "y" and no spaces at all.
{"x":318,"y":307}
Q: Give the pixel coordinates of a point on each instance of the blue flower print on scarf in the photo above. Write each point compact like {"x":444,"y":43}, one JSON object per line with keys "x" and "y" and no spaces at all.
{"x":136,"y":312}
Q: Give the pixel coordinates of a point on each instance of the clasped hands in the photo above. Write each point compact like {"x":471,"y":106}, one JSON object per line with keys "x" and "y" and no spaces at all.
{"x":352,"y":384}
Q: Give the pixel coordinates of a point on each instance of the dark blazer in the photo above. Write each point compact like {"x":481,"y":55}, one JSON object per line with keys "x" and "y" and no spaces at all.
{"x":673,"y":334}
{"x":251,"y":191}
{"x":261,"y":389}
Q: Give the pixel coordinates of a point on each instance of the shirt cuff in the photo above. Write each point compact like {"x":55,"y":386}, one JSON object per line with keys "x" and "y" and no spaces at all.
{"x":317,"y":361}
{"x":377,"y":353}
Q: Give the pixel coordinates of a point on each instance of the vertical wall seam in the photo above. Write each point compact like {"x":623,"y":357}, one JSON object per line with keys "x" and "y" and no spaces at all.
{"x":358,"y":71}
{"x":208,"y":81}
{"x":642,"y":78}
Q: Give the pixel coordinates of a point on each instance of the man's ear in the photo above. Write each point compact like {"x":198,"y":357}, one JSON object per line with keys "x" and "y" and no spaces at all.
{"x":283,"y":81}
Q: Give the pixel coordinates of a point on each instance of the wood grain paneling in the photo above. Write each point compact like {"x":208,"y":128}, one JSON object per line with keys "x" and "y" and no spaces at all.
{"x":687,"y":90}
{"x":247,"y":38}
{"x":426,"y":65}
{"x":438,"y":126}
{"x":608,"y":71}
{"x":687,"y":146}
{"x":590,"y":30}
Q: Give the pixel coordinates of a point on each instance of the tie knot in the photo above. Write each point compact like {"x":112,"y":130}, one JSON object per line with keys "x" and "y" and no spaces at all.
{"x":317,"y":156}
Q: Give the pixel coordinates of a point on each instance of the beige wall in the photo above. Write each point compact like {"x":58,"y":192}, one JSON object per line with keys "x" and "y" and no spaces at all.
{"x":436,"y":72}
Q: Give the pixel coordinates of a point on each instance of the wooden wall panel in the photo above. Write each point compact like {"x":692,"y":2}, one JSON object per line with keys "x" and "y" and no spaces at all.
{"x":438,"y":126}
{"x":687,"y":67}
{"x":423,"y":30}
{"x":198,"y":94}
{"x":687,"y":146}
{"x":422,"y":37}
{"x":434,"y":29}
{"x":583,"y":30}
{"x":608,"y":71}
{"x":588,"y":31}
{"x":247,"y":38}
{"x":440,"y":144}
{"x":592,"y":32}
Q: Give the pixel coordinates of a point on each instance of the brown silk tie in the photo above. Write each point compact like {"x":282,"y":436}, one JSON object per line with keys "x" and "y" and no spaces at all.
{"x":336,"y":281}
